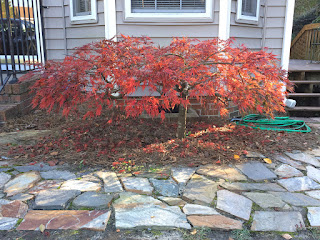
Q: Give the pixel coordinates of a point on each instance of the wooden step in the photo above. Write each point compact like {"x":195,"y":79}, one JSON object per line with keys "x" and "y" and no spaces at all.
{"x":306,"y":82}
{"x":304,"y":94}
{"x":304,"y":108}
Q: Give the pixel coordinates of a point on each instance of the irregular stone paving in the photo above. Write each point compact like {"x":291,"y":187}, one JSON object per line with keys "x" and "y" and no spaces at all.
{"x":277,"y":221}
{"x":227,"y":172}
{"x":256,"y":171}
{"x":286,"y":171}
{"x":298,"y":184}
{"x":263,"y":197}
{"x":234,"y":204}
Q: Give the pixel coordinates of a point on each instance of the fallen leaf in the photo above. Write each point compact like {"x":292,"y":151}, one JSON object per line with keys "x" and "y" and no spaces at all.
{"x":193,"y":232}
{"x":267,"y":160}
{"x":42,"y":228}
{"x":54,"y":153}
{"x":236,"y":157}
{"x":286,"y":236}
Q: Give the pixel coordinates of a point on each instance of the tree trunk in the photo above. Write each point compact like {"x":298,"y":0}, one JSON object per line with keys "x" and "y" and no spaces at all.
{"x":182,"y":119}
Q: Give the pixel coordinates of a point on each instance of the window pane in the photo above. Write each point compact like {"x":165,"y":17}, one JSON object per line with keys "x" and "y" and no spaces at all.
{"x":82,"y":7}
{"x":249,"y":8}
{"x":168,"y":6}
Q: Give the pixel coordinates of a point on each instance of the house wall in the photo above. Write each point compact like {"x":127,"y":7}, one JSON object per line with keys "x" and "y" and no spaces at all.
{"x":267,"y":33}
{"x":62,"y":36}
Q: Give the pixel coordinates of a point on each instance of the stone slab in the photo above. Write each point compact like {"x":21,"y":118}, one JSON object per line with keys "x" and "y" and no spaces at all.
{"x":7,"y":223}
{"x":167,"y":188}
{"x":224,"y":172}
{"x":277,"y":221}
{"x":58,"y":175}
{"x":151,"y":216}
{"x":200,"y":190}
{"x":195,"y":209}
{"x":314,"y":216}
{"x":303,"y":157}
{"x":315,"y":152}
{"x":234,"y":204}
{"x":66,"y":219}
{"x":252,"y":154}
{"x":131,"y":200}
{"x":256,"y":171}
{"x":24,"y":197}
{"x":83,"y":186}
{"x":92,"y":200}
{"x":314,"y":194}
{"x":238,"y":186}
{"x":38,"y":167}
{"x":286,"y":171}
{"x":137,"y":185}
{"x":265,"y":200}
{"x":215,"y":222}
{"x":286,"y":160}
{"x":298,"y":184}
{"x":21,"y":183}
{"x":21,"y":136}
{"x":45,"y":185}
{"x":171,"y":201}
{"x":297,"y":199}
{"x":313,"y":173}
{"x":110,"y":181}
{"x":14,"y":209}
{"x":4,"y":178}
{"x":182,"y":175}
{"x":54,"y":199}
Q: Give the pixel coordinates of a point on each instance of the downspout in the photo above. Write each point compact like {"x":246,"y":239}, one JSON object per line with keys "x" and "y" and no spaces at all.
{"x":286,"y":44}
{"x":64,"y":29}
{"x":265,"y":19}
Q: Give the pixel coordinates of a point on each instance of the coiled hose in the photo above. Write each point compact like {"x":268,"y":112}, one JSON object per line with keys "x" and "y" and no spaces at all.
{"x":277,"y":124}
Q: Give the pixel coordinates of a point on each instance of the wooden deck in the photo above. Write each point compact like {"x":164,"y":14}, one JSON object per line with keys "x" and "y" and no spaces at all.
{"x":296,"y":65}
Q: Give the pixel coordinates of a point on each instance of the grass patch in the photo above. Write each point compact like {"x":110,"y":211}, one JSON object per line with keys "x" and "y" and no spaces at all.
{"x":243,"y":234}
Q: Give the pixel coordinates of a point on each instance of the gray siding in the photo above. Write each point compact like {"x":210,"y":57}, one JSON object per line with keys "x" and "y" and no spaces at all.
{"x":162,"y":32}
{"x":62,"y":36}
{"x":269,"y":30}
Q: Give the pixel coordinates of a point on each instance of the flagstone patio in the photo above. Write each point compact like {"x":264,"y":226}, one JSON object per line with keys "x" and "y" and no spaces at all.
{"x":258,"y":195}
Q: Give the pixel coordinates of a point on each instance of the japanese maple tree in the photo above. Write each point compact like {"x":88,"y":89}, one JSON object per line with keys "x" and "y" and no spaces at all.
{"x":105,"y":74}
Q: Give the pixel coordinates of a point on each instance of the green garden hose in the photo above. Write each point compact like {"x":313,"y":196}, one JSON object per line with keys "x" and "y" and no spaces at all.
{"x":277,"y":124}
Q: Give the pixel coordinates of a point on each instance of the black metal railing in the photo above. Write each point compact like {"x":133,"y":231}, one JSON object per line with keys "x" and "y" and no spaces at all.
{"x":21,"y":38}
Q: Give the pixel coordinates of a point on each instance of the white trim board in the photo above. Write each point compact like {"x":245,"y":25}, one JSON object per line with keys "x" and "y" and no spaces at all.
{"x":110,"y":19}
{"x":286,"y":44}
{"x":224,"y":19}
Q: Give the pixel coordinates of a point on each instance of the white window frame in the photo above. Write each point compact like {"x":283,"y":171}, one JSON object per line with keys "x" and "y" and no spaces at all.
{"x":207,"y":16}
{"x":90,"y":18}
{"x":241,"y":17}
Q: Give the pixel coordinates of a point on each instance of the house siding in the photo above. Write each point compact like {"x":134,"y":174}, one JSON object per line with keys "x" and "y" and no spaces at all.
{"x":62,"y":36}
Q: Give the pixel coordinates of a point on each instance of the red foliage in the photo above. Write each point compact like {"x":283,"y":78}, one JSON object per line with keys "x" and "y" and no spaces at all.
{"x":104,"y":74}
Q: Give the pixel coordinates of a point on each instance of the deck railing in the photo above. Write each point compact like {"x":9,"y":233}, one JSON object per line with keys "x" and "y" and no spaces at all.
{"x":306,"y":45}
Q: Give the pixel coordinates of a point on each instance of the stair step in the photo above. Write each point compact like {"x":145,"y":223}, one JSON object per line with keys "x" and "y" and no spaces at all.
{"x":304,"y":94}
{"x":305,"y":108}
{"x":306,"y":82}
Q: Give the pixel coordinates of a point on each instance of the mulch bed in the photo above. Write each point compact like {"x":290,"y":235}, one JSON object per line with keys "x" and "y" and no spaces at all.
{"x":112,"y":138}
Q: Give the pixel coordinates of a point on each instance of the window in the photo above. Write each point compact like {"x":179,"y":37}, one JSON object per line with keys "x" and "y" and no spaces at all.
{"x":83,"y":10}
{"x":164,"y":10}
{"x":248,"y":10}
{"x":168,"y":6}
